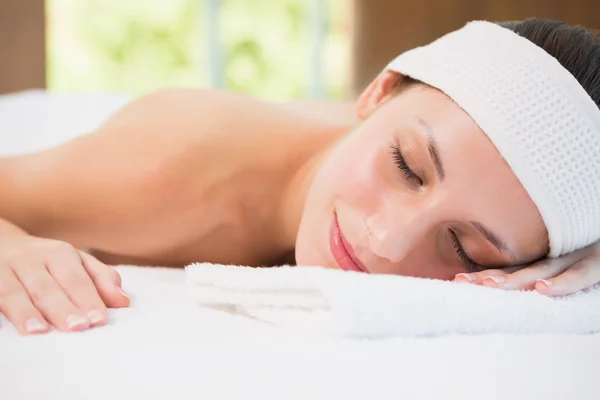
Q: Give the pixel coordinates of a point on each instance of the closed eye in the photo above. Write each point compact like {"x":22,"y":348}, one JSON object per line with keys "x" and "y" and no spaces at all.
{"x":469,"y":264}
{"x":408,"y":173}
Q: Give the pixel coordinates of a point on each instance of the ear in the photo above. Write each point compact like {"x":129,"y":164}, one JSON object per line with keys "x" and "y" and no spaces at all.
{"x":378,"y":92}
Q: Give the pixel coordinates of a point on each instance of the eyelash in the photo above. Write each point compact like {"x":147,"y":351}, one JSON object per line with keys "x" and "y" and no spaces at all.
{"x":409,"y":174}
{"x":471,"y":265}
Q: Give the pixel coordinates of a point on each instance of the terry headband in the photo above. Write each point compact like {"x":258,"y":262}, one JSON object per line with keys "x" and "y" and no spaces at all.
{"x":534,"y":111}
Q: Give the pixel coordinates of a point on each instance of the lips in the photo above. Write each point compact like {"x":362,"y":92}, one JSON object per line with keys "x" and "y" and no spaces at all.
{"x":342,"y":250}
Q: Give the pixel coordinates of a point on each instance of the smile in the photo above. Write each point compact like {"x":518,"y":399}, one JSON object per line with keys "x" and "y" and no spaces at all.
{"x":342,"y":251}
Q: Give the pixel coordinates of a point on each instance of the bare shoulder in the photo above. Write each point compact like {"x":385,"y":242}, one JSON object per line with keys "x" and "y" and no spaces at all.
{"x":155,"y":157}
{"x":205,"y":113}
{"x":207,"y":128}
{"x":117,"y":170}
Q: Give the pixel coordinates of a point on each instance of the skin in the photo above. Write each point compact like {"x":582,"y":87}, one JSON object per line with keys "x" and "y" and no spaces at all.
{"x":399,"y":226}
{"x":186,"y":175}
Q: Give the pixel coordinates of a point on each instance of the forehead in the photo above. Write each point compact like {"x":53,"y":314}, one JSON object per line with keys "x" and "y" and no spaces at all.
{"x":478,"y":184}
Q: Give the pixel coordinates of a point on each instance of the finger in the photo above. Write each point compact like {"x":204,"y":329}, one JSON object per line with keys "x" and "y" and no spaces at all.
{"x":106,"y":280}
{"x":49,"y":298}
{"x":16,"y":305}
{"x":67,"y":270}
{"x":479,"y":278}
{"x":526,"y":278}
{"x":582,"y":275}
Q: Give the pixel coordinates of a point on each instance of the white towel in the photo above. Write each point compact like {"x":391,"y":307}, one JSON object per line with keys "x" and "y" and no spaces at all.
{"x":355,"y":304}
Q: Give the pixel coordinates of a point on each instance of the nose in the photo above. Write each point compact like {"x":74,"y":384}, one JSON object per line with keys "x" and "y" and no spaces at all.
{"x":394,"y":238}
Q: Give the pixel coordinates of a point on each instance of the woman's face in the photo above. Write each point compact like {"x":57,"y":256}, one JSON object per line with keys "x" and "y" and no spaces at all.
{"x":418,"y":189}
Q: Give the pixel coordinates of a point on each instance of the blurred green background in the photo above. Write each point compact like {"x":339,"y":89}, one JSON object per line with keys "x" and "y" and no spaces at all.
{"x":139,"y":46}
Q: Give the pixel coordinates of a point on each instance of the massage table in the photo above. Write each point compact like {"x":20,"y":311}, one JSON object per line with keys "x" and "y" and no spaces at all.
{"x":165,"y":346}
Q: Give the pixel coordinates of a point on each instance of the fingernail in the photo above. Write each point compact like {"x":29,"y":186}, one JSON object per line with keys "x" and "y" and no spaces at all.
{"x":469,"y":277}
{"x":123,"y":293}
{"x":496,"y":279}
{"x":95,"y":316}
{"x":76,"y":322}
{"x":34,"y":325}
{"x":545,"y":282}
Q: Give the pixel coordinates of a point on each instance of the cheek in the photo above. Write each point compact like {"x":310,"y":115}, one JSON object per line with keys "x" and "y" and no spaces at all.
{"x":487,"y":191}
{"x":347,"y":180}
{"x":423,"y":263}
{"x":432,"y":257}
{"x":356,"y":174}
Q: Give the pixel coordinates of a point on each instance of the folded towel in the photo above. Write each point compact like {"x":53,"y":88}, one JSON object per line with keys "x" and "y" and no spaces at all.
{"x":355,"y":304}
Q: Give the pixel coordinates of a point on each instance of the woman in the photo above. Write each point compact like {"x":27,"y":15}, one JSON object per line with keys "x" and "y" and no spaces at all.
{"x":425,"y":186}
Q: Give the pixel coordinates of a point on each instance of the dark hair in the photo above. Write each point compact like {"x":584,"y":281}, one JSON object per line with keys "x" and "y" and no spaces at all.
{"x":575,"y":47}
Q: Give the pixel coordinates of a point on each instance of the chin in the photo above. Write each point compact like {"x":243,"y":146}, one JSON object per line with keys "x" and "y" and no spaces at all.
{"x":306,"y":256}
{"x":308,"y":253}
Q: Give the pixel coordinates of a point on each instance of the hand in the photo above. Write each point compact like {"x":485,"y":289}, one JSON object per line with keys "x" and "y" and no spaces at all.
{"x":46,"y":282}
{"x":553,"y":277}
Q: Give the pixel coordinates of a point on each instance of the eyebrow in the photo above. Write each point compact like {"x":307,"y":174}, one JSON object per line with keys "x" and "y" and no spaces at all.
{"x":494,"y":240}
{"x":433,"y":148}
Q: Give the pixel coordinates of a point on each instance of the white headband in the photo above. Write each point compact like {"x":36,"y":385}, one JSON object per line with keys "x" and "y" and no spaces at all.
{"x":535,"y":112}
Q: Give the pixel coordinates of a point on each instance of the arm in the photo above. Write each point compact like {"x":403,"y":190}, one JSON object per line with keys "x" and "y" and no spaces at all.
{"x":81,"y":186}
{"x":104,"y":189}
{"x":44,"y":281}
{"x":73,"y":195}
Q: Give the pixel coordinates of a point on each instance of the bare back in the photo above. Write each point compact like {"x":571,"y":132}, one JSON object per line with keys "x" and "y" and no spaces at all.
{"x":175,"y":177}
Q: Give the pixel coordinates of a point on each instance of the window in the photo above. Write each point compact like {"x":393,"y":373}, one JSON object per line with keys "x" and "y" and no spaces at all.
{"x":275,"y":50}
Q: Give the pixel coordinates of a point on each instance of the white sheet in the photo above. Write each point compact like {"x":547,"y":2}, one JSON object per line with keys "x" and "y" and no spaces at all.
{"x":34,"y":120}
{"x":166,"y":347}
